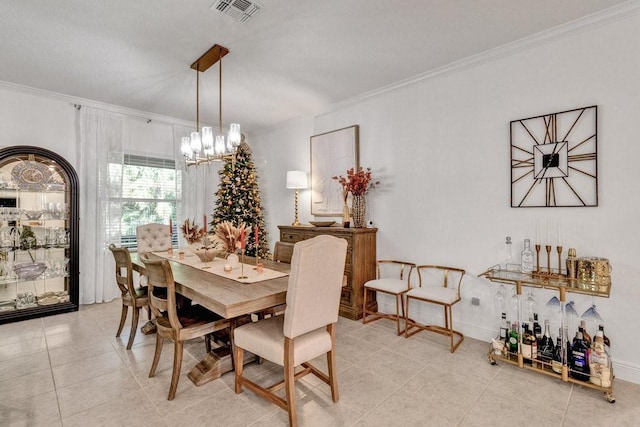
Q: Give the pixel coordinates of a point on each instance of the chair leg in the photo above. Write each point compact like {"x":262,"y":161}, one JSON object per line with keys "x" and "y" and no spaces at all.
{"x":289,"y":382}
{"x":123,"y":318}
{"x":156,"y":355}
{"x":134,"y":326}
{"x":177,"y":365}
{"x":331,"y":364}
{"x":399,"y":297}
{"x":364,"y":307}
{"x":239,"y":354}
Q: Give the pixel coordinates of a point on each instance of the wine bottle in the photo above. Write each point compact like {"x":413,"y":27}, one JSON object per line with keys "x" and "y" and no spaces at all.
{"x":537,"y":329}
{"x":556,"y":364}
{"x":529,"y":345}
{"x":546,"y":349}
{"x":607,"y":343}
{"x":513,"y":338}
{"x":599,"y":362}
{"x":585,"y":334}
{"x":526,"y":258}
{"x":504,"y":328}
{"x":579,"y":358}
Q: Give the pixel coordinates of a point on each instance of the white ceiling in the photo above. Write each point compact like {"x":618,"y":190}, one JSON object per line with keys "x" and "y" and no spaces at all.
{"x":292,"y":58}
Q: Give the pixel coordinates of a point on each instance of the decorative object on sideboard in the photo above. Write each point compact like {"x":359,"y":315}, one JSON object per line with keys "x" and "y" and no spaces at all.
{"x":358,"y":183}
{"x":200,"y":147}
{"x":560,"y":151}
{"x":331,"y":154}
{"x":296,"y":180}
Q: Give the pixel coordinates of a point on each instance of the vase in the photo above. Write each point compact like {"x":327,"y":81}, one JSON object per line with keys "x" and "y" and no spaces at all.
{"x":345,"y":215}
{"x":358,"y":211}
{"x":233,"y":260}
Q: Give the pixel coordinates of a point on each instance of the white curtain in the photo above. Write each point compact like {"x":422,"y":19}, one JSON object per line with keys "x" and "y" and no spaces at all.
{"x":194,"y":198}
{"x":100,"y":143}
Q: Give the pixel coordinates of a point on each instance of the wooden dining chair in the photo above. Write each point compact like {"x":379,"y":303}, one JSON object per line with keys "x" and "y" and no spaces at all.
{"x":392,"y":278}
{"x":283,"y":251}
{"x":437,"y":285}
{"x":133,"y":297}
{"x":307,"y":329}
{"x":193,"y":321}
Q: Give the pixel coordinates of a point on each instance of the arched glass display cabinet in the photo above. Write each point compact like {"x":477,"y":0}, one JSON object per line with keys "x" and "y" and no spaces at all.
{"x":38,"y":234}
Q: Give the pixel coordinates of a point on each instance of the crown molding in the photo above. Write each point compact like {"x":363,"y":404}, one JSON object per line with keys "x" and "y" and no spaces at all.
{"x":76,"y":102}
{"x":569,"y":29}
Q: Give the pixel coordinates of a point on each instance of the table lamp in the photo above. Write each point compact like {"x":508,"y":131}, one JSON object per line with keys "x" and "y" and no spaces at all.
{"x":296,"y":180}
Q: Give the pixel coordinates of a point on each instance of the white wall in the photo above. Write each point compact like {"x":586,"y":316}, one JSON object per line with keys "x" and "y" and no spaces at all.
{"x":440,"y":146}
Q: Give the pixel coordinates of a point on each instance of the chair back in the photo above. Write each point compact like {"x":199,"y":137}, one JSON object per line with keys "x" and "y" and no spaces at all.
{"x":162,"y":289}
{"x":315,"y":284}
{"x":124,"y":270}
{"x":440,"y":276}
{"x":394,"y":269}
{"x":282,"y":252}
{"x":153,"y":237}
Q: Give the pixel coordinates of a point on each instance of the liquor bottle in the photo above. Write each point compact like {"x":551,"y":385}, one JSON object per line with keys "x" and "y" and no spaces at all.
{"x":537,"y":329}
{"x":599,"y":362}
{"x":513,"y":338}
{"x":579,"y":358}
{"x":504,"y":328}
{"x":607,"y":343}
{"x":526,"y":258}
{"x":585,"y":334}
{"x":546,"y":349}
{"x":556,"y":364}
{"x":529,"y":345}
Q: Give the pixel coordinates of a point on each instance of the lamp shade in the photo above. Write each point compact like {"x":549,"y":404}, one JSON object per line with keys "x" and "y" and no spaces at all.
{"x":296,"y":179}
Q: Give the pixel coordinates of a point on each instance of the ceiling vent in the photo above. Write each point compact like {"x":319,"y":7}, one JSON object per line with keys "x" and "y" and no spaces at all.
{"x":240,"y":10}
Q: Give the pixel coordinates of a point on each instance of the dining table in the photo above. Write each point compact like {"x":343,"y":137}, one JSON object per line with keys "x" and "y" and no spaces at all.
{"x":232,"y":295}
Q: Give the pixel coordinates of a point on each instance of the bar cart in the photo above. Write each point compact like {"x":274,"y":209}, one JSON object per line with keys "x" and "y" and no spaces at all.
{"x":562,"y":285}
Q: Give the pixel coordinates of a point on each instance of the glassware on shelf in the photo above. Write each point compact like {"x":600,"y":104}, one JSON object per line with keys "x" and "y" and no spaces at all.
{"x":554,"y":302}
{"x":499,"y":299}
{"x":570,"y":309}
{"x":592,"y":314}
{"x":530,"y":305}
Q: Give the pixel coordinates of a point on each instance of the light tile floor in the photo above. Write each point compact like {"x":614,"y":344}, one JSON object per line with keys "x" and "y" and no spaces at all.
{"x":70,"y":370}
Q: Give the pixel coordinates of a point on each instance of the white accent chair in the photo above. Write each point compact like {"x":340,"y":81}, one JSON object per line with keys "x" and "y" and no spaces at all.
{"x":437,"y":285}
{"x":392,"y":278}
{"x":307,"y":329}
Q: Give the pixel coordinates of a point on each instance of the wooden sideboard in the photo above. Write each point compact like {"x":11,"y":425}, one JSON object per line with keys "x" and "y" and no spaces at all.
{"x":360,"y":265}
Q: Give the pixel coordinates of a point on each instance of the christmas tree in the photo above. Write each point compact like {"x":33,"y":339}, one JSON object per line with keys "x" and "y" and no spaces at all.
{"x":238,"y":200}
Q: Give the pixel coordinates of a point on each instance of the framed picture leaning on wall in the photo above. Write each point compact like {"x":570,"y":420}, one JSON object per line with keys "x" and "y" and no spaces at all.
{"x":332,"y":154}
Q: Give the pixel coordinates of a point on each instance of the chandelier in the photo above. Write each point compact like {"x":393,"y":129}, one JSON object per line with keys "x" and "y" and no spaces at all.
{"x":201,"y":147}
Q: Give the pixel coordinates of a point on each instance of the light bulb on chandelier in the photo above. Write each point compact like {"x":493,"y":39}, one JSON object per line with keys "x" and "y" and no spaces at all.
{"x":212,"y":149}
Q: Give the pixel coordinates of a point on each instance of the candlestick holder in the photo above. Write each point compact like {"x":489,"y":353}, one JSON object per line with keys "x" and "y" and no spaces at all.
{"x":548,"y":248}
{"x":537,"y":246}
{"x":559,"y":250}
{"x":242,"y":276}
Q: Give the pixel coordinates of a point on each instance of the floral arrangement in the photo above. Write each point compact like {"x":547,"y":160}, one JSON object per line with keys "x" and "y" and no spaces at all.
{"x":228,"y":235}
{"x":192,"y":232}
{"x":356,"y":183}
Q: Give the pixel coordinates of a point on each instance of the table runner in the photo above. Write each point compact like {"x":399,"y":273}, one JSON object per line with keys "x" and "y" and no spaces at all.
{"x":217,"y":267}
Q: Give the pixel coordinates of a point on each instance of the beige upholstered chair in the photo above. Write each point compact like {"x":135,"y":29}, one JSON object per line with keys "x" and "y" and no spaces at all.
{"x":392,"y":278}
{"x":307,"y":329}
{"x":190,"y":322}
{"x":283,"y":251}
{"x":438,"y":285}
{"x":133,"y":297}
{"x":153,"y":237}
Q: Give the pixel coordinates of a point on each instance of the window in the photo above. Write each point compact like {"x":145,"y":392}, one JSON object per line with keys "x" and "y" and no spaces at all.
{"x":151,"y":192}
